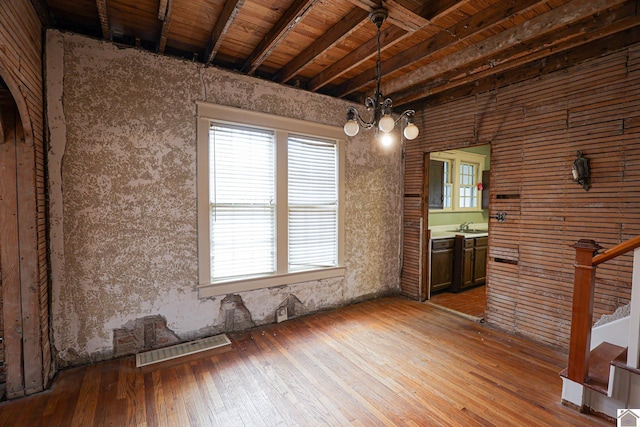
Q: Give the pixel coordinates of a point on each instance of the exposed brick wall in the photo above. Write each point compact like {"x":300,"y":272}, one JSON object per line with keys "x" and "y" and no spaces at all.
{"x":142,"y":334}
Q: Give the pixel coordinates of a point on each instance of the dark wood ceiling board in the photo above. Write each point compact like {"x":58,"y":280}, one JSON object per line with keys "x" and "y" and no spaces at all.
{"x":252,"y":24}
{"x":343,"y":28}
{"x":543,"y":24}
{"x":192,"y":22}
{"x":137,"y":19}
{"x":224,"y":21}
{"x":42,"y":11}
{"x":310,"y":31}
{"x":287,"y":22}
{"x":80,"y":16}
{"x":586,"y":31}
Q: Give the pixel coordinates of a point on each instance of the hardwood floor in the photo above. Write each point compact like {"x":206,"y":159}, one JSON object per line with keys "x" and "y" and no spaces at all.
{"x":471,"y":301}
{"x":385,"y":362}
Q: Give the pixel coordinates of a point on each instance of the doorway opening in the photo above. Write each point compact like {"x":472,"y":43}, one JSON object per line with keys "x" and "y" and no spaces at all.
{"x":458,"y":183}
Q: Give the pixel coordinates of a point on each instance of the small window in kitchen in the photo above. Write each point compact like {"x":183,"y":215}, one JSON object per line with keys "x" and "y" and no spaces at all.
{"x":461,"y":174}
{"x":468,"y":185}
{"x":448,"y":185}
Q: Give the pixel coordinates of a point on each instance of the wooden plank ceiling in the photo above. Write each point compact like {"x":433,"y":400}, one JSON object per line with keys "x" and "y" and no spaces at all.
{"x":329,"y":46}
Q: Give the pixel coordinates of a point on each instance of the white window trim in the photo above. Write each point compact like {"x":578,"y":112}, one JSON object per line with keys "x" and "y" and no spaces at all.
{"x":456,"y":157}
{"x":205,"y":114}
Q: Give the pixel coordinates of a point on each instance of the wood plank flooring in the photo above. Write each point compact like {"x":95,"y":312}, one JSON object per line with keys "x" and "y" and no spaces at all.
{"x":387,"y":362}
{"x":471,"y":301}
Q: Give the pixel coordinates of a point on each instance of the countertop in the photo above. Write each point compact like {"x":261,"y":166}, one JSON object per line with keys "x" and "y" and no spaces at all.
{"x":447,"y":231}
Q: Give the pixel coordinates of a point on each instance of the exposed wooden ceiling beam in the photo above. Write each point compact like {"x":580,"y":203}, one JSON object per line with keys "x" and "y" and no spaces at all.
{"x":286,"y":23}
{"x":576,"y":36}
{"x":335,"y":34}
{"x":436,"y":8}
{"x":226,"y":18}
{"x":369,"y":49}
{"x":553,"y":20}
{"x":364,"y":52}
{"x":499,"y":12}
{"x":162,"y":9}
{"x":104,"y":18}
{"x":166,"y":23}
{"x":534,"y":69}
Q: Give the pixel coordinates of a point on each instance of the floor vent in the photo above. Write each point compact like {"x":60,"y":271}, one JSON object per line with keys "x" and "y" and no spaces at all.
{"x":174,"y":354}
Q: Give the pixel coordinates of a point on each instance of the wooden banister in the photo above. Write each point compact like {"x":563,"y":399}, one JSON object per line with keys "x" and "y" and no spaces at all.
{"x":617,"y":250}
{"x":582,"y":309}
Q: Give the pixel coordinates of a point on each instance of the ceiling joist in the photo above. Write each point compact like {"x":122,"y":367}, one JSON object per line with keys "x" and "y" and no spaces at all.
{"x":553,"y":20}
{"x":104,"y":18}
{"x":166,"y":10}
{"x":334,"y":35}
{"x":287,"y":22}
{"x":226,"y":18}
{"x":603,"y":26}
{"x":460,"y":32}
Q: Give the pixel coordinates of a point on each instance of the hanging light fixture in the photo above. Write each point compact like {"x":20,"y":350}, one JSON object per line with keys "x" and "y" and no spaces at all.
{"x":382,"y":120}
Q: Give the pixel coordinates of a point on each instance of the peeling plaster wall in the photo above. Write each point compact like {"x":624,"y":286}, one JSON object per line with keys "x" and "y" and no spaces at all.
{"x":122,"y":165}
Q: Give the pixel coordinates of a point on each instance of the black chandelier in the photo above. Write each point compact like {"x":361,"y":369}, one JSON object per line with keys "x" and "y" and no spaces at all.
{"x":382,"y":120}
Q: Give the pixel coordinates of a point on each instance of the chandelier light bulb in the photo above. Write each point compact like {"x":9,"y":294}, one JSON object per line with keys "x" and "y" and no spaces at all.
{"x":411,"y":131}
{"x":351,"y":128}
{"x":386,"y":139}
{"x":386,"y":123}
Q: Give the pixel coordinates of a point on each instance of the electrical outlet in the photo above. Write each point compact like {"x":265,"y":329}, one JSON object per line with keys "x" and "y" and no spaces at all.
{"x":281,"y":314}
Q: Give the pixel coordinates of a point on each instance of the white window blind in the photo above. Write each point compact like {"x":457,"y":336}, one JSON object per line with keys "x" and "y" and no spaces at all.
{"x":312,"y":203}
{"x":242,"y":200}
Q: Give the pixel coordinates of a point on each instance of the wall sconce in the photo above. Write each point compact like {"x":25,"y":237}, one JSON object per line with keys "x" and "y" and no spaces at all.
{"x":580,"y":171}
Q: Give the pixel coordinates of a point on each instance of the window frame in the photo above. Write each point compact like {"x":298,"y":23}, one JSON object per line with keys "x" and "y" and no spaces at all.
{"x":455,"y":158}
{"x":282,"y":126}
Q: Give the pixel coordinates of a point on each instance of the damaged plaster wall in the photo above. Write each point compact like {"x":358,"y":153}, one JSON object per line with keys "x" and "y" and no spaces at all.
{"x":122,"y":165}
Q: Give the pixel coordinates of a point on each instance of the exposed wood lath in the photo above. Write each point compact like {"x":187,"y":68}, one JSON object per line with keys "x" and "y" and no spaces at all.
{"x":26,"y":309}
{"x":535,"y":129}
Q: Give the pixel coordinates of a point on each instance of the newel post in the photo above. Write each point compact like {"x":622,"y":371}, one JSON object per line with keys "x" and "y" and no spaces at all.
{"x":582,"y":311}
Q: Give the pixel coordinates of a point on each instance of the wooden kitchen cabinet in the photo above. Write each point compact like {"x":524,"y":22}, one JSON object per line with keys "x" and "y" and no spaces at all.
{"x":469,"y":262}
{"x":480,"y":260}
{"x":441,"y":264}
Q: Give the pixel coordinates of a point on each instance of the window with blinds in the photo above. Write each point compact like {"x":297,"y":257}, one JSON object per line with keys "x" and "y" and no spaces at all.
{"x":270,"y":200}
{"x":242,"y":201}
{"x":312,"y":203}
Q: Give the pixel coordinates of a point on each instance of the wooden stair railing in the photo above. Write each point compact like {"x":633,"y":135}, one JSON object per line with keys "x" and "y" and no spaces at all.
{"x":582,"y":309}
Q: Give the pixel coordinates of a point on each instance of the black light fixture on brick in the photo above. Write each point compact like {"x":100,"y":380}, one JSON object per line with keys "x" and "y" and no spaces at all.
{"x":580,"y":171}
{"x":382,"y":120}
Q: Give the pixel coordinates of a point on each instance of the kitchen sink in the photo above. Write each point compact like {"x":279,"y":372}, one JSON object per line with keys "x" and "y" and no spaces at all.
{"x":469,"y":231}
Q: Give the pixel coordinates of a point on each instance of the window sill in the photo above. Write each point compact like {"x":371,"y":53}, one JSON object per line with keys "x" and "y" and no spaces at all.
{"x":251,"y":284}
{"x":450,"y":211}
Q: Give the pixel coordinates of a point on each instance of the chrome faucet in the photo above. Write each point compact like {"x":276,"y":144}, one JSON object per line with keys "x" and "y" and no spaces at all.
{"x":464,"y":226}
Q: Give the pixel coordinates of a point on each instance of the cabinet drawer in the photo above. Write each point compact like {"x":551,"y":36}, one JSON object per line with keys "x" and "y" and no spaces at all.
{"x":442,"y":244}
{"x":482,"y":241}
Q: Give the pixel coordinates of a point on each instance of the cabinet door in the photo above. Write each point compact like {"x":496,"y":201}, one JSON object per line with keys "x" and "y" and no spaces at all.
{"x":480,"y":261}
{"x":441,"y":264}
{"x":436,"y":184}
{"x":467,"y":267}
